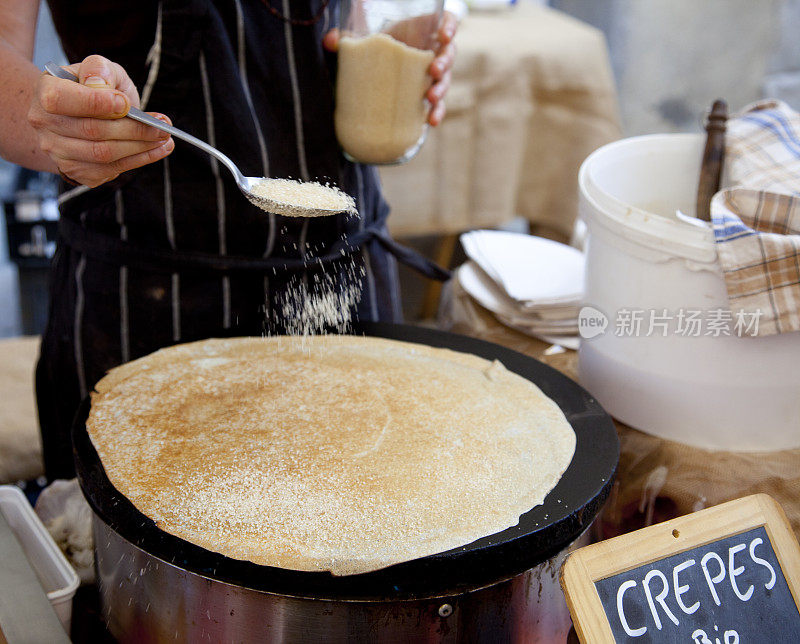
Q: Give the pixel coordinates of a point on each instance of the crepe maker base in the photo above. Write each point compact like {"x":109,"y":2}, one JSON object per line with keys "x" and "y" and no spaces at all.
{"x":541,"y":533}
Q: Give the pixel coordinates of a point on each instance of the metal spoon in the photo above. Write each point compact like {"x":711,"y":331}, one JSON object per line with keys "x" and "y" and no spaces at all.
{"x":246,"y":184}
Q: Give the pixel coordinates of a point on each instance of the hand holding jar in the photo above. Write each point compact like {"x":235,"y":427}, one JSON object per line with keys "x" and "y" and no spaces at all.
{"x":390,"y":53}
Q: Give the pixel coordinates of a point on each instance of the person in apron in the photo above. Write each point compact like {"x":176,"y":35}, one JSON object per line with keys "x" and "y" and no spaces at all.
{"x":171,"y":251}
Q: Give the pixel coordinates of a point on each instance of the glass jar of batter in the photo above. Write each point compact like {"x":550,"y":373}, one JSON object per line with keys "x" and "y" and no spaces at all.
{"x":385,"y":51}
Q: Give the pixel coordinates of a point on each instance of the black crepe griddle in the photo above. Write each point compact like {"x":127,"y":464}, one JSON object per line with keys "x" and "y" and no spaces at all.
{"x":541,"y":533}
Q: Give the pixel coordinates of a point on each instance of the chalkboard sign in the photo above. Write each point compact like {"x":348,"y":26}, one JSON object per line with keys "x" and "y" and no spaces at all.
{"x":726,"y":575}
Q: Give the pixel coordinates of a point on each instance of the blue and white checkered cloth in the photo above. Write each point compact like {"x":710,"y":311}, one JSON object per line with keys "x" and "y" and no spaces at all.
{"x":757,"y":217}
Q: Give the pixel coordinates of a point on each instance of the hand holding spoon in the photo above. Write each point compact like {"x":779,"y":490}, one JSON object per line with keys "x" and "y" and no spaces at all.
{"x":248,"y":185}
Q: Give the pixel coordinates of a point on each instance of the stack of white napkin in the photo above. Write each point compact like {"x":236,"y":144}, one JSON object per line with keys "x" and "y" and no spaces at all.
{"x":531,"y":284}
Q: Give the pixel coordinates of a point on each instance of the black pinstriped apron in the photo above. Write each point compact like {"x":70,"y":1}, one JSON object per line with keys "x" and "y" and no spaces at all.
{"x":172,"y":252}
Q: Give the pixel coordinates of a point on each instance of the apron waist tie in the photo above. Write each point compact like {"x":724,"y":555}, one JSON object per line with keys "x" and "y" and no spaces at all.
{"x":113,"y":250}
{"x":411,"y":258}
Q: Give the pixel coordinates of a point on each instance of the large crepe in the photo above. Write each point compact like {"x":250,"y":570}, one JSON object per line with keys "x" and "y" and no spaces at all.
{"x":336,"y":453}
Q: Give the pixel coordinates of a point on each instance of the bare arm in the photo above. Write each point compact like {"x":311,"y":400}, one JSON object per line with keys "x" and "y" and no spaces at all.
{"x":19,"y":142}
{"x":56,"y":125}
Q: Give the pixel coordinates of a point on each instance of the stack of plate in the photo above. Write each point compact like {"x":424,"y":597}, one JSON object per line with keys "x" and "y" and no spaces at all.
{"x":531,"y":284}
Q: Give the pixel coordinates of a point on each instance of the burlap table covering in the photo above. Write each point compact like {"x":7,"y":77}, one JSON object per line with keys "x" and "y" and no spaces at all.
{"x":532,"y":95}
{"x":657,"y":479}
{"x":20,"y":445}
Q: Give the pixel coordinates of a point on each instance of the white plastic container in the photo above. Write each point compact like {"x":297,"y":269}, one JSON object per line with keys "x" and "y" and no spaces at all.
{"x":732,"y":393}
{"x":57,"y":577}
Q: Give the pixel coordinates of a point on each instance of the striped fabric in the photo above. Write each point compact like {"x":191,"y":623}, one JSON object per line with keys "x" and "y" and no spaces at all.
{"x":757,"y":219}
{"x":259,"y":89}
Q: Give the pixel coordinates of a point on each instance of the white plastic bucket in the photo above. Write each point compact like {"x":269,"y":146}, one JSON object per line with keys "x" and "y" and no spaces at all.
{"x":57,"y":577}
{"x":725,"y":392}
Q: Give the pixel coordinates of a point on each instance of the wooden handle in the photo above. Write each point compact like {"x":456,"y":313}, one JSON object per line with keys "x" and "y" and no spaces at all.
{"x":713,"y":158}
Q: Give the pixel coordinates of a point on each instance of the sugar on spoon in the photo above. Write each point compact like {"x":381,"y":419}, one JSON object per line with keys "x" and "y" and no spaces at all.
{"x":248,"y":185}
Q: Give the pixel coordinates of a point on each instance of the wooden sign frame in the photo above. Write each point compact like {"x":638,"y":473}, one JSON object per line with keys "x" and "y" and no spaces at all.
{"x":592,"y":563}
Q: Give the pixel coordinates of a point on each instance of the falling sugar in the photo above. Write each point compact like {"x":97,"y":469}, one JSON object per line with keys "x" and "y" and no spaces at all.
{"x":323,"y":297}
{"x":322,"y":304}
